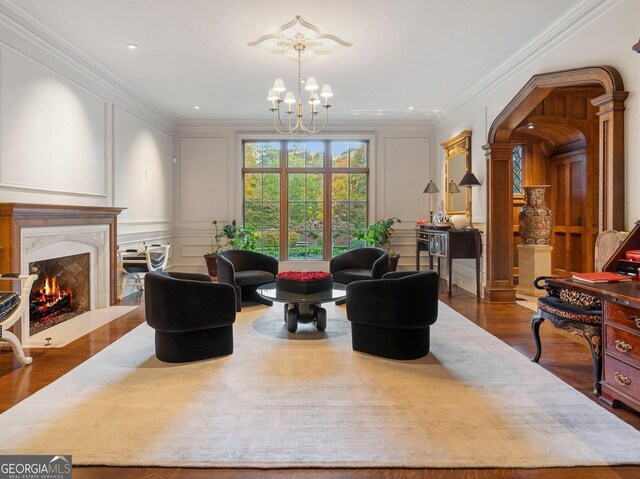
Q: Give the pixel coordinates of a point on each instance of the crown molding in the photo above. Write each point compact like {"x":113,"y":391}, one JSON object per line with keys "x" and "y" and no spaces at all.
{"x":18,"y":20}
{"x":575,"y":19}
{"x":334,"y":126}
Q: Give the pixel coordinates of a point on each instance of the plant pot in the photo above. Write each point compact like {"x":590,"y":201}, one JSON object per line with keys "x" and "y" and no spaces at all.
{"x":212,"y":264}
{"x":393,"y":262}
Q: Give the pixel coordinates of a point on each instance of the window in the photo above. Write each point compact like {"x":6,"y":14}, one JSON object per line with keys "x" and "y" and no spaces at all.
{"x":517,"y":170}
{"x":306,"y":198}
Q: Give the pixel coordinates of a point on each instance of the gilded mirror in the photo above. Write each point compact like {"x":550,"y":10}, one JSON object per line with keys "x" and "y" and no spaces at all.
{"x":457,"y":158}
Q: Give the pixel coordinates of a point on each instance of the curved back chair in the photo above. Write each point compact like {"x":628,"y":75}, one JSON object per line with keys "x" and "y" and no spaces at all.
{"x":391,"y":317}
{"x":134,"y":264}
{"x":359,"y":264}
{"x":193,"y":316}
{"x":246,"y":271}
{"x":12,"y":307}
{"x":577,"y":312}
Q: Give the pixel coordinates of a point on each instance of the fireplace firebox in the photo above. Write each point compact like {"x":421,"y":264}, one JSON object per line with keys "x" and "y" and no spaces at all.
{"x":61,"y":292}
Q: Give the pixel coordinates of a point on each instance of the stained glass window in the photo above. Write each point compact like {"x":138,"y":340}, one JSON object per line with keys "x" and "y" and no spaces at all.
{"x":517,"y":170}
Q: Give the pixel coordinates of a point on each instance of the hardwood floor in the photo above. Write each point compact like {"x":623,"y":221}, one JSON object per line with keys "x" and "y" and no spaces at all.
{"x":564,"y":355}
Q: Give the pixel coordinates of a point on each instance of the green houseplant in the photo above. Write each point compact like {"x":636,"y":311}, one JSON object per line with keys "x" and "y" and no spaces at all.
{"x":240,"y":237}
{"x":379,"y":235}
{"x":237,"y":237}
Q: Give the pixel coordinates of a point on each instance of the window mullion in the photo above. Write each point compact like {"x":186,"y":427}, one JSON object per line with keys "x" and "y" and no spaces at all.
{"x":327,"y":236}
{"x":284,"y":204}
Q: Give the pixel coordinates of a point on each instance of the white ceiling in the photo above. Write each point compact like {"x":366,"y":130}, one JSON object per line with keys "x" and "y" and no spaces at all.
{"x":421,"y":53}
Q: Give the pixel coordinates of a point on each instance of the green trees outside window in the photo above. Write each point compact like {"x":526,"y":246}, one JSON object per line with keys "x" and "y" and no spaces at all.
{"x":306,"y":199}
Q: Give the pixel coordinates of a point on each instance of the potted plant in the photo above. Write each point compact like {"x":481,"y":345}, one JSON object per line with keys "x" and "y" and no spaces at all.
{"x":240,"y":237}
{"x":379,"y":234}
{"x":211,"y":258}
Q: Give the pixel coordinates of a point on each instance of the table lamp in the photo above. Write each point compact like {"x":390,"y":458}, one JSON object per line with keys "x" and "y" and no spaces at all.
{"x":431,"y":189}
{"x":469,"y":180}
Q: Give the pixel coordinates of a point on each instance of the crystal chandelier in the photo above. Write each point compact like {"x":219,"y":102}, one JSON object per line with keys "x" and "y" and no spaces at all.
{"x":299,"y":41}
{"x":295,"y":107}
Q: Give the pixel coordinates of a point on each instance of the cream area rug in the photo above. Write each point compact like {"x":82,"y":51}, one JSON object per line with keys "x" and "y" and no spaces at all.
{"x":309,"y":400}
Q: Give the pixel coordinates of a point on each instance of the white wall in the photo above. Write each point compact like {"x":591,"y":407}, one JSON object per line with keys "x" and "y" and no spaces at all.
{"x":208,"y":181}
{"x":606,"y":41}
{"x":68,"y":136}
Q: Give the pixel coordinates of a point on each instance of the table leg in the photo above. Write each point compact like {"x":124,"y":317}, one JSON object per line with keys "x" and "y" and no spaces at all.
{"x":449,"y":274}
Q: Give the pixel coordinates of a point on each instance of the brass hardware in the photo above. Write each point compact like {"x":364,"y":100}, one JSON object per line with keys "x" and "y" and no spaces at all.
{"x":631,"y":317}
{"x":621,"y":379}
{"x":622,"y":346}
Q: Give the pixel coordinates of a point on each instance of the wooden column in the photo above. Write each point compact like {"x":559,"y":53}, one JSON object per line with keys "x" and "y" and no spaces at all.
{"x":499,"y":287}
{"x":611,"y":159}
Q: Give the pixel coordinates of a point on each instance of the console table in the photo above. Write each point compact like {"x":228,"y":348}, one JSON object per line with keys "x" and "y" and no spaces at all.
{"x":450,"y":244}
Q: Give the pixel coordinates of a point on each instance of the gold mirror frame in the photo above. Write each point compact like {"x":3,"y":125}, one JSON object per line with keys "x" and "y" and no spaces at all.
{"x":458,"y":146}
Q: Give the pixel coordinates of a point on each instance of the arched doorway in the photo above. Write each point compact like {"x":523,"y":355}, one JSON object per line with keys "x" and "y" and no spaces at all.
{"x":503,"y":137}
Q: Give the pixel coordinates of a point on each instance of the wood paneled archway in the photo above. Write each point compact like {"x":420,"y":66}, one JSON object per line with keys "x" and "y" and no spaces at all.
{"x":499,"y":285}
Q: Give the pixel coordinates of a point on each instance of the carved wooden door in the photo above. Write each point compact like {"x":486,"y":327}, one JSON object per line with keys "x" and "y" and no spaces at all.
{"x":573,"y":232}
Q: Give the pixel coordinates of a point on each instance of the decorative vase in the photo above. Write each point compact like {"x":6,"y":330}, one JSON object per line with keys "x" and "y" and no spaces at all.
{"x":535,"y":216}
{"x":460,"y":222}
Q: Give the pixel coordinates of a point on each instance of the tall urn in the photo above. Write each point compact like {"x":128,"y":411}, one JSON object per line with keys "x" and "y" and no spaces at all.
{"x":535,"y":216}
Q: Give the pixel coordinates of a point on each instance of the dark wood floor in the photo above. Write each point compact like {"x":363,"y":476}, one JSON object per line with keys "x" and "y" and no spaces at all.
{"x":564,"y":355}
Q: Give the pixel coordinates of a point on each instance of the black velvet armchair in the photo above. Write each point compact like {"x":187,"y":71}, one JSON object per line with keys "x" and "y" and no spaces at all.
{"x":246,"y":271}
{"x":193,"y":317}
{"x":359,"y":264}
{"x":391,"y":317}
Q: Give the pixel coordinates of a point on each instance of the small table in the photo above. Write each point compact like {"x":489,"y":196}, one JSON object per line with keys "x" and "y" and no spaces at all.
{"x":304,"y":308}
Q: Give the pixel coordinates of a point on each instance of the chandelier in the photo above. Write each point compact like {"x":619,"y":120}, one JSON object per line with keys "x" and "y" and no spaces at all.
{"x":299,"y":41}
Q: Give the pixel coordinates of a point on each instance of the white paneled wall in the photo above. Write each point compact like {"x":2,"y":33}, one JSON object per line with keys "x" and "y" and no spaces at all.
{"x":68,"y":136}
{"x":50,"y":123}
{"x":204,"y":179}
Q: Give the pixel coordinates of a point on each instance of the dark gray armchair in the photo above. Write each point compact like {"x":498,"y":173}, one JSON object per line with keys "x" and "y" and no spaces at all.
{"x":193,"y":317}
{"x":246,"y":271}
{"x":391,"y":317}
{"x":359,"y":264}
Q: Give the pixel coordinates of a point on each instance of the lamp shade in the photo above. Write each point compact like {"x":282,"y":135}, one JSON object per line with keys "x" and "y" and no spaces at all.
{"x":431,"y":188}
{"x":453,"y":188}
{"x":469,"y":179}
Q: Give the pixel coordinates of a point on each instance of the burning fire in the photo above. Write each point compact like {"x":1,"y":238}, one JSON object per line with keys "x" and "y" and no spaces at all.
{"x":52,"y":291}
{"x":49,"y":299}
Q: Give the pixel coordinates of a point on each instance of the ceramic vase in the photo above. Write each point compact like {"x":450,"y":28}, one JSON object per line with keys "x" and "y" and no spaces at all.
{"x":535,"y":216}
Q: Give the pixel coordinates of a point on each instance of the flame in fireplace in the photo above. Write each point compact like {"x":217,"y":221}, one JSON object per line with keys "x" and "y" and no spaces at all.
{"x":49,"y":299}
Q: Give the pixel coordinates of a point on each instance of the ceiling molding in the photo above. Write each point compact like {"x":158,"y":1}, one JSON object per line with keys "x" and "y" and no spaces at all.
{"x":16,"y":19}
{"x":571,"y":22}
{"x":334,"y":126}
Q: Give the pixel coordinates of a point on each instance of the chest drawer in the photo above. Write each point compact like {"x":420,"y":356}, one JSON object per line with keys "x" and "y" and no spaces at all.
{"x":622,"y":377}
{"x":623,"y":315}
{"x":624,"y":344}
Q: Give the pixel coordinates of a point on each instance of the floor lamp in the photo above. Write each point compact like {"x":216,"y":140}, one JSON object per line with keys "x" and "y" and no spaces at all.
{"x":469,"y":180}
{"x":431,"y":189}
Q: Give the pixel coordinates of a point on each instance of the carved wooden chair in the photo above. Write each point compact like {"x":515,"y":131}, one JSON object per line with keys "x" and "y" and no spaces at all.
{"x":577,"y":312}
{"x":12,"y":307}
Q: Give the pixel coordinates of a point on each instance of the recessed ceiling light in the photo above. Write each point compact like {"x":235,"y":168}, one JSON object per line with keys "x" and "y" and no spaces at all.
{"x":132,"y":46}
{"x":196,"y":107}
{"x":411,"y":108}
{"x":302,"y":81}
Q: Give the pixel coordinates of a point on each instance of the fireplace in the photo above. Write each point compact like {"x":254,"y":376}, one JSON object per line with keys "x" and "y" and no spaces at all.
{"x":61,"y":292}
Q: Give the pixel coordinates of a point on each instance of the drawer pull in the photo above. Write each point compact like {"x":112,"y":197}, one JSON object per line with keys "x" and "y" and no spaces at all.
{"x":631,"y":317}
{"x":622,"y":346}
{"x":621,"y":379}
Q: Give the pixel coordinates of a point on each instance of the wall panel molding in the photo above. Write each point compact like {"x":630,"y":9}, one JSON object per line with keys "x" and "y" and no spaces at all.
{"x":19,"y":94}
